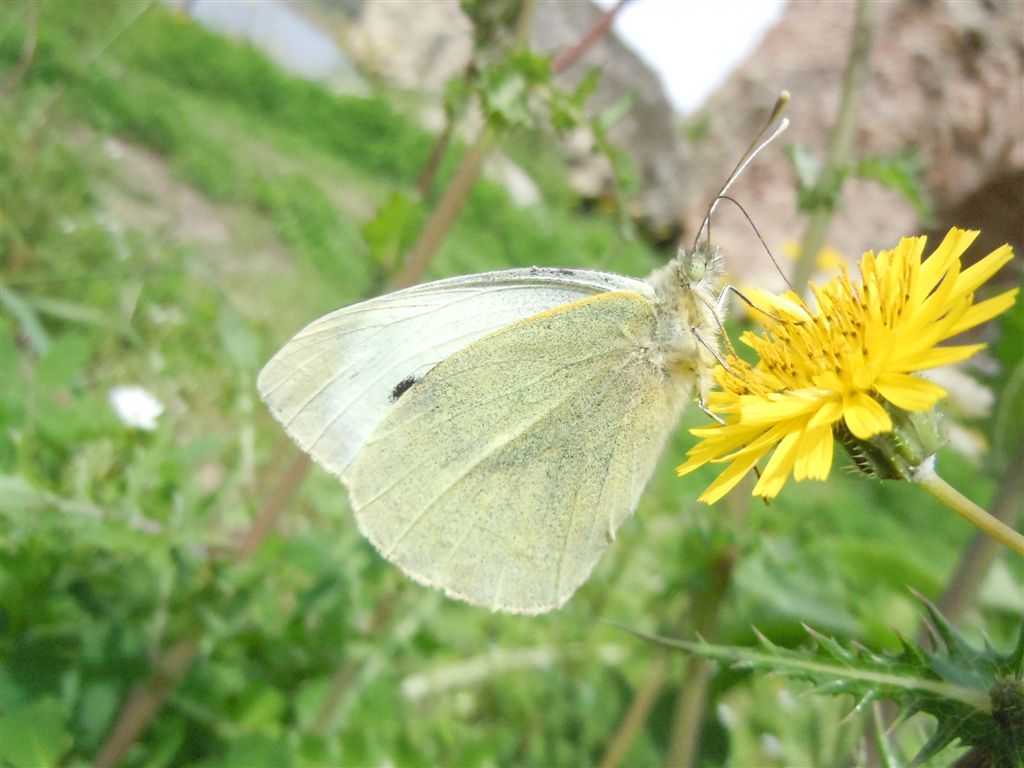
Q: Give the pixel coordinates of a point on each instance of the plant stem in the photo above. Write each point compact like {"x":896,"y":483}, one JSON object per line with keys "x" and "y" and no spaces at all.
{"x":346,"y":673}
{"x":694,"y":685}
{"x":28,"y":52}
{"x":444,"y":215}
{"x":145,"y":702}
{"x":639,"y":707}
{"x":266,"y":520}
{"x":976,"y":560}
{"x":929,"y":480}
{"x":426,"y":180}
{"x":570,"y":56}
{"x":840,"y":145}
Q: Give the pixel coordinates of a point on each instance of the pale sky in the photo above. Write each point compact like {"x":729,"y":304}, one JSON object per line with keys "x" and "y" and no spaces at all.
{"x":694,"y":44}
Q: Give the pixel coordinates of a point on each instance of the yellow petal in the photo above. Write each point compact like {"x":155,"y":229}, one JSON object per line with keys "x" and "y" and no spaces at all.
{"x":767,"y":439}
{"x":829,"y":412}
{"x":984,"y":311}
{"x":726,"y":481}
{"x":909,"y":392}
{"x":865,"y":417}
{"x":950,"y":249}
{"x":814,"y":455}
{"x":938,"y":356}
{"x":779,"y":467}
{"x":978,"y":273}
{"x":778,"y":408}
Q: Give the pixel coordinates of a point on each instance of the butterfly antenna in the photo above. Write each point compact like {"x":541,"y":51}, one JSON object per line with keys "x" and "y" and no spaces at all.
{"x":757,"y":232}
{"x":752,"y":151}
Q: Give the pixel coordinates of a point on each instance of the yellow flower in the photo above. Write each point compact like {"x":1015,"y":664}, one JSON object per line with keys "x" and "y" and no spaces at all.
{"x":823,"y":369}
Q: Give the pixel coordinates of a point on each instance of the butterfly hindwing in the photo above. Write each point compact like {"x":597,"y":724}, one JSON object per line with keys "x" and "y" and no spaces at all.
{"x":541,"y":437}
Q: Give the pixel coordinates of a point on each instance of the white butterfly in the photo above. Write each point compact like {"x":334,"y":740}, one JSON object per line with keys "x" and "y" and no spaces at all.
{"x":494,"y":430}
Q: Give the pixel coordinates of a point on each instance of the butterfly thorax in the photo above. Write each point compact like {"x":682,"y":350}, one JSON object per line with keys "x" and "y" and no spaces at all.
{"x":687,"y":289}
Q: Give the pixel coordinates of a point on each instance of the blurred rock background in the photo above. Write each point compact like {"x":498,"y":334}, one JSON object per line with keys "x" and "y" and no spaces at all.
{"x":945,"y":84}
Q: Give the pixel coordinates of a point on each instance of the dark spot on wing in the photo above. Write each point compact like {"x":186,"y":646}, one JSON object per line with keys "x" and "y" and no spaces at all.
{"x":402,"y":387}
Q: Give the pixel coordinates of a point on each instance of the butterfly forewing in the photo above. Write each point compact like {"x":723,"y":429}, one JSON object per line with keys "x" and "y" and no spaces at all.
{"x":337,"y":378}
{"x":541,"y":437}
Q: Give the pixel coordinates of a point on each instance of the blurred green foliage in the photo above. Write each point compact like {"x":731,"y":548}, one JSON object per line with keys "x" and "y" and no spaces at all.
{"x":174,"y":208}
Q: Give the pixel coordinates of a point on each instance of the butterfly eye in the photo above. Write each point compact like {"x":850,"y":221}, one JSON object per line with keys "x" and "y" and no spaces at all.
{"x":695,"y":265}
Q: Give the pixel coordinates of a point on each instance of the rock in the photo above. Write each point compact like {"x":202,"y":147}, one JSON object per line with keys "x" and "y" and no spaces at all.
{"x":945,"y":79}
{"x":647,"y":133}
{"x":414,"y":45}
{"x":421,"y":45}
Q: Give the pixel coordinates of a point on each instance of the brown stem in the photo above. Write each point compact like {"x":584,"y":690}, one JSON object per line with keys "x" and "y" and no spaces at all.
{"x":693,"y":688}
{"x":346,"y":673}
{"x":437,"y":153}
{"x":447,"y":210}
{"x":455,"y":196}
{"x":636,"y":715}
{"x":145,"y":701}
{"x":571,"y":55}
{"x":840,"y":144}
{"x":28,"y":52}
{"x":266,"y":520}
{"x":737,"y":503}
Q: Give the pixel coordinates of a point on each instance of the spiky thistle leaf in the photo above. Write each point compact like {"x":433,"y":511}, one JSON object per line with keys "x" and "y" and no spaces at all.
{"x":975,"y":694}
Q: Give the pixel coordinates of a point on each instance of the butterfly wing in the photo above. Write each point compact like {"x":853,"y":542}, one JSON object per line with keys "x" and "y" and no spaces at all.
{"x":541,"y":437}
{"x":337,"y":378}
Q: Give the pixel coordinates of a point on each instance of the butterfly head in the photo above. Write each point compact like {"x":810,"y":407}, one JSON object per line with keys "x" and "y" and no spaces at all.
{"x":701,"y":266}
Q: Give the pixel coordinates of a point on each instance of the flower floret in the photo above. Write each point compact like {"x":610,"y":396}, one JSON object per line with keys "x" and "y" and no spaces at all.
{"x":842,"y":365}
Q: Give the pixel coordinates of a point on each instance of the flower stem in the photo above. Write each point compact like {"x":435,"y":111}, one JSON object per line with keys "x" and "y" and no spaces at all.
{"x":977,"y":558}
{"x":926,"y":477}
{"x":840,"y":144}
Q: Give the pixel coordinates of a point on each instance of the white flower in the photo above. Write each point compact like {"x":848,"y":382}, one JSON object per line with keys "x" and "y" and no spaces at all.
{"x":136,"y":407}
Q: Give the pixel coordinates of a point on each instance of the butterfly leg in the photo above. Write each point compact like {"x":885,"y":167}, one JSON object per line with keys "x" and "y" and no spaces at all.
{"x":710,"y":348}
{"x":723,"y":297}
{"x":703,"y":406}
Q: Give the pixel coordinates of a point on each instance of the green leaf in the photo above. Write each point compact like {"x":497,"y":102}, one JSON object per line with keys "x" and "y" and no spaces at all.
{"x":22,"y":497}
{"x":534,"y":67}
{"x":901,"y":172}
{"x":494,"y":21}
{"x":26,"y":317}
{"x":255,"y":751}
{"x":82,"y":314}
{"x":506,"y":99}
{"x":817,"y":187}
{"x":34,"y":734}
{"x":976,"y":695}
{"x":587,"y":87}
{"x":507,"y":87}
{"x":614,"y":113}
{"x":237,"y":338}
{"x":805,"y":165}
{"x":393,"y":229}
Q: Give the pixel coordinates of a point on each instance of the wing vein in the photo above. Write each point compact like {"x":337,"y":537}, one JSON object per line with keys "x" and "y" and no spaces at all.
{"x":464,"y":472}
